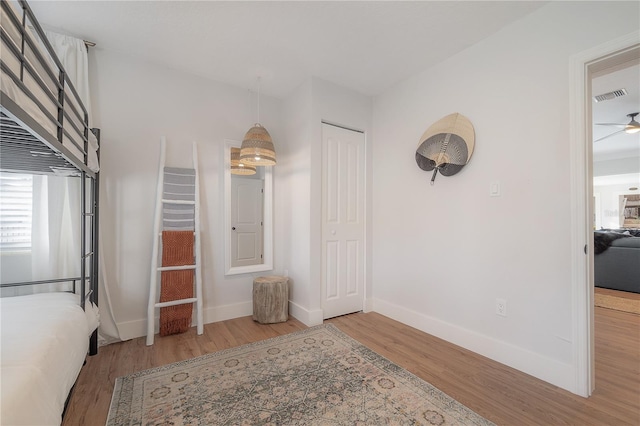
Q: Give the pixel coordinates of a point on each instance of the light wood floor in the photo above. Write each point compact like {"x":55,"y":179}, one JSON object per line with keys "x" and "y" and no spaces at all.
{"x":499,"y":393}
{"x":619,"y":300}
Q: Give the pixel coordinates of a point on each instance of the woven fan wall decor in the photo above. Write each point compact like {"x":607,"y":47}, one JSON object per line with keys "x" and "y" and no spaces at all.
{"x":446,"y":146}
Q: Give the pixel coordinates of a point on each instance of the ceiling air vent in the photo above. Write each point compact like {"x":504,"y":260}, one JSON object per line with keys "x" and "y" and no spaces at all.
{"x":611,"y":95}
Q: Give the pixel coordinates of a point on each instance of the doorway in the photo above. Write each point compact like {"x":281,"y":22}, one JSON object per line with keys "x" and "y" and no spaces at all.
{"x":616,"y":152}
{"x":343,"y":221}
{"x":585,"y":66}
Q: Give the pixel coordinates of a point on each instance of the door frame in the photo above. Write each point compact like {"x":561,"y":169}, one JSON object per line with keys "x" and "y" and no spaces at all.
{"x":582,"y":68}
{"x":267,"y":236}
{"x":364,"y":211}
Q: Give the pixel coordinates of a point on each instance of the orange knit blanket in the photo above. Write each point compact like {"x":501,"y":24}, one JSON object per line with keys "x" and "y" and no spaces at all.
{"x":177,"y":249}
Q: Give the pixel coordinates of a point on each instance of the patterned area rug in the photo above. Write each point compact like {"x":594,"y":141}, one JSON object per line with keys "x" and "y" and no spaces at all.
{"x":318,"y":376}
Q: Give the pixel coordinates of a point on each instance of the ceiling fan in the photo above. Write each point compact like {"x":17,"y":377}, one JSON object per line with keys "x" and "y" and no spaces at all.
{"x":632,"y":127}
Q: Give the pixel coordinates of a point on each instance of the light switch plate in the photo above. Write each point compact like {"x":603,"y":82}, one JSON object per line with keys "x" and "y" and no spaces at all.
{"x":494,"y":188}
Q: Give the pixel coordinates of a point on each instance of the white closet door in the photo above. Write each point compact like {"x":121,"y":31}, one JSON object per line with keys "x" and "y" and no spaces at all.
{"x":343,"y":227}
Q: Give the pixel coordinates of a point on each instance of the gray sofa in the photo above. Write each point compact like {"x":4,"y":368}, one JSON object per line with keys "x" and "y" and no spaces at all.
{"x":617,"y":267}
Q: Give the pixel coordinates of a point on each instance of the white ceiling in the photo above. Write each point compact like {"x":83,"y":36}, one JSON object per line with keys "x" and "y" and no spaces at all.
{"x":364,"y":45}
{"x":367,"y":46}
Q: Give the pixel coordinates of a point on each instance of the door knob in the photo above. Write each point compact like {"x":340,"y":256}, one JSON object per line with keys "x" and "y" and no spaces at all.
{"x":234,"y":228}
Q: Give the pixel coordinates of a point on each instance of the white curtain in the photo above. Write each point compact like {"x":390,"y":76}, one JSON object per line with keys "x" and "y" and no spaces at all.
{"x":59,"y":198}
{"x":55,"y":229}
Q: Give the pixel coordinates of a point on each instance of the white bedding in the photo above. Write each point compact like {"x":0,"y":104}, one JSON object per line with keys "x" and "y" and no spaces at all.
{"x":10,"y":89}
{"x":44,"y":342}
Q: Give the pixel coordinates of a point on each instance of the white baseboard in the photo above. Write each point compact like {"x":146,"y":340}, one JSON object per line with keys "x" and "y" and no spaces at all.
{"x":133,"y":329}
{"x":226,"y":312}
{"x":544,"y":368}
{"x":368,"y":305}
{"x":305,"y":316}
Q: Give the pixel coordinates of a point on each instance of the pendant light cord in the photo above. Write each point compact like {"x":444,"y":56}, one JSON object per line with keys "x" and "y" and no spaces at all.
{"x":258,"y":100}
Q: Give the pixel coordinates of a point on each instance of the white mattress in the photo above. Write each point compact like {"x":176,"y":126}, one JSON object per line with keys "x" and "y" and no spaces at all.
{"x":44,"y":342}
{"x":10,"y":89}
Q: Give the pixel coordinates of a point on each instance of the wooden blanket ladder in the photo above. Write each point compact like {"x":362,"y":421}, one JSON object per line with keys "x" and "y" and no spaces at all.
{"x":177,"y":208}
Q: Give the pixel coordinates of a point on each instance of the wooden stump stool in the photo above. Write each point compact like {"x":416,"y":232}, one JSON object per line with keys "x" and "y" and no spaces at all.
{"x":270,"y":299}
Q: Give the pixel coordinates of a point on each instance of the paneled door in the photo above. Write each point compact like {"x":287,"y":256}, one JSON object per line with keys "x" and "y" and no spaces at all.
{"x":343,"y":227}
{"x":246,"y":221}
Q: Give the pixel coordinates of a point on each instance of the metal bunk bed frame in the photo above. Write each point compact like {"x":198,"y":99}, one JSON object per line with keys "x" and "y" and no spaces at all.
{"x":27,"y":147}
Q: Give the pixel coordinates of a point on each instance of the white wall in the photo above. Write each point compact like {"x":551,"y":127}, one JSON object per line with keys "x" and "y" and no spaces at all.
{"x":299,"y":176}
{"x":292,"y":200}
{"x":134,"y":104}
{"x":613,"y":178}
{"x":442,"y":254}
{"x":336,"y":105}
{"x":609,"y":195}
{"x":617,"y":166}
{"x":439,"y":256}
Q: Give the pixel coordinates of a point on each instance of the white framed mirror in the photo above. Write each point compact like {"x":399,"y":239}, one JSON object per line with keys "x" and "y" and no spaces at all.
{"x":248,"y":218}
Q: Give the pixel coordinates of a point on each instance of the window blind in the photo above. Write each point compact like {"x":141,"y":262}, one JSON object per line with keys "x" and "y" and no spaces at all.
{"x":15,"y":211}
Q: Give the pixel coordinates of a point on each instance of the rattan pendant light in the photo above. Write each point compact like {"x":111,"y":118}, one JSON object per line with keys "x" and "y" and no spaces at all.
{"x":238,"y":168}
{"x":257,"y":147}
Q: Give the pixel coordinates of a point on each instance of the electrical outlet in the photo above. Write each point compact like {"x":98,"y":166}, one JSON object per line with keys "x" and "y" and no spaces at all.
{"x":501,"y":307}
{"x":286,"y":272}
